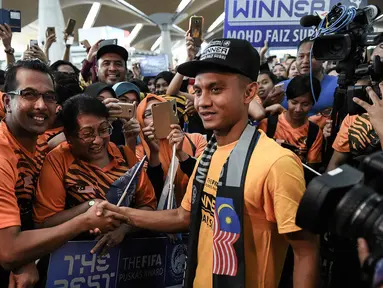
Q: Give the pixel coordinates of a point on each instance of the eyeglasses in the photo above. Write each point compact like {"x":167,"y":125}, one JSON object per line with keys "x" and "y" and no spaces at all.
{"x":34,"y":95}
{"x":88,"y":134}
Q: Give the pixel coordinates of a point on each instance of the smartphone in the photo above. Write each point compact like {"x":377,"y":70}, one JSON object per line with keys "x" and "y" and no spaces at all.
{"x":195,"y":28}
{"x":70,"y":26}
{"x":108,"y":42}
{"x":33,"y":43}
{"x":85,"y":43}
{"x":128,"y":110}
{"x":50,"y":31}
{"x":164,"y":115}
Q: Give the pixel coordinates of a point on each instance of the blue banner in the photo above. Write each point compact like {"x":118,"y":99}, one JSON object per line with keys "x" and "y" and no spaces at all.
{"x":276,"y":21}
{"x":153,"y":65}
{"x":136,"y":262}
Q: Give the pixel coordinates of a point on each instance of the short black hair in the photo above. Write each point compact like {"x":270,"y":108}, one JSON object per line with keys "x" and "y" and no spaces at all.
{"x":55,"y":66}
{"x":271,"y":76}
{"x":11,"y":72}
{"x":306,"y":40}
{"x":67,"y":86}
{"x":301,"y":85}
{"x":77,"y":105}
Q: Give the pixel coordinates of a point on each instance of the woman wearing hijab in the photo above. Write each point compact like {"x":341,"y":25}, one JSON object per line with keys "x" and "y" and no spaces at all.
{"x":159,"y":152}
{"x":162,"y":81}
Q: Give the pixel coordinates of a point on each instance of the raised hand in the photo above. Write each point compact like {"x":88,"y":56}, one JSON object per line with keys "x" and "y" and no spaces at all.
{"x":93,"y":51}
{"x":176,"y":137}
{"x":190,"y":47}
{"x":6,"y":36}
{"x":114,"y":109}
{"x":150,"y":138}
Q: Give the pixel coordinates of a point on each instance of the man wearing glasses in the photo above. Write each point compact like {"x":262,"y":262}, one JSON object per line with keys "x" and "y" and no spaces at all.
{"x":30,"y":104}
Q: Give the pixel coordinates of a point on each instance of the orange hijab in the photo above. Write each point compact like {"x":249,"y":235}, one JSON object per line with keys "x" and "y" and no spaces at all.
{"x":181,"y":179}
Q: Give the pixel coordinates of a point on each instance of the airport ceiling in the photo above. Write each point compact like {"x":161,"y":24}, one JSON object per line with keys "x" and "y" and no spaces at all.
{"x":114,"y":13}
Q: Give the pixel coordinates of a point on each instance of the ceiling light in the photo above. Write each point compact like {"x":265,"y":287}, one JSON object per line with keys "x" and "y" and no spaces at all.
{"x":217,"y":22}
{"x":183,"y":4}
{"x":92,"y":15}
{"x":136,"y":11}
{"x":133,"y":34}
{"x":156,"y":44}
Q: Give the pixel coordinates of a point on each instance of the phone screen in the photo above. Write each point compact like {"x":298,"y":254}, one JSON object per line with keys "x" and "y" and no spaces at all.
{"x":195,"y":27}
{"x":70,"y":26}
{"x":108,"y":42}
{"x":33,"y":43}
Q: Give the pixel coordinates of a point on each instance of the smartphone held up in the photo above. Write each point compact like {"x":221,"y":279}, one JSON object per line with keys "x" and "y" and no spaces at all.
{"x":164,"y":115}
{"x":195,"y":28}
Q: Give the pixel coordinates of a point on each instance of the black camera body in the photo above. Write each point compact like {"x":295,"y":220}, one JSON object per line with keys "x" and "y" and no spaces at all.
{"x":347,"y":202}
{"x":347,"y":46}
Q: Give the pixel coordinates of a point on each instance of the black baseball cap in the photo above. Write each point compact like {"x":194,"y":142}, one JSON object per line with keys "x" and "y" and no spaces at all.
{"x":112,"y":48}
{"x":226,"y":55}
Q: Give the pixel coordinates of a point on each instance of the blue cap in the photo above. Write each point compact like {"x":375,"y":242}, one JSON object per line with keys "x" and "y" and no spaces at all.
{"x":124,"y":87}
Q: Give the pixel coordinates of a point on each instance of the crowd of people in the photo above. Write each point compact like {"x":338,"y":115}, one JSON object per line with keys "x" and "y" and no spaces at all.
{"x":246,"y":128}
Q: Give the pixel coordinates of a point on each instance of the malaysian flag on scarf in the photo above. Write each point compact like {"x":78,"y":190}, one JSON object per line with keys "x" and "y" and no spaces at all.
{"x":227,"y":229}
{"x":118,"y":187}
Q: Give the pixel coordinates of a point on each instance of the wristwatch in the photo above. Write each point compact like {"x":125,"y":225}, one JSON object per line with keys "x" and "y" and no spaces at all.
{"x":91,"y":203}
{"x":10,"y":51}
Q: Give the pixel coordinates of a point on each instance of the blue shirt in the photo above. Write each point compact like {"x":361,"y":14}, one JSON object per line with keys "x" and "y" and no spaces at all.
{"x":326,"y":97}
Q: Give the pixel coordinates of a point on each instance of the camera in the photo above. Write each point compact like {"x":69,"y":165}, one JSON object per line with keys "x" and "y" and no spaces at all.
{"x":348,"y":202}
{"x":343,"y":36}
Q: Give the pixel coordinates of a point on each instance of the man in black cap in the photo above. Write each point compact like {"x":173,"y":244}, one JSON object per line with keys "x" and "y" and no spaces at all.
{"x":111,"y":63}
{"x":242,"y":198}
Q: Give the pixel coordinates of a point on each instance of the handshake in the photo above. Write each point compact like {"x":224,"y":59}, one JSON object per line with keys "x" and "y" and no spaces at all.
{"x":103,"y":217}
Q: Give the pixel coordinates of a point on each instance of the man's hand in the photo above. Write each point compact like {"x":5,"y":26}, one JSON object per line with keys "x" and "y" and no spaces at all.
{"x":24,"y":277}
{"x":363,"y":250}
{"x":190,"y":47}
{"x":151,"y":139}
{"x":274,"y":97}
{"x":6,"y":36}
{"x":275,"y":109}
{"x":104,"y":219}
{"x":375,"y":111}
{"x":109,"y":240}
{"x":93,"y":51}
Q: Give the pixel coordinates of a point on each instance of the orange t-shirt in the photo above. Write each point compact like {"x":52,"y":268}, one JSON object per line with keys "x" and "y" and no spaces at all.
{"x":49,"y":134}
{"x":2,"y":108}
{"x":297,"y":137}
{"x":274,"y":186}
{"x":181,"y":180}
{"x":355,"y":135}
{"x":66,"y":182}
{"x":19,"y":172}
